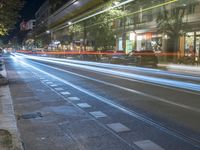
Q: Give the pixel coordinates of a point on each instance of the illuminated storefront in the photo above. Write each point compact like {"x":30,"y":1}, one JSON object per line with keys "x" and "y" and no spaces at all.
{"x":192,"y":44}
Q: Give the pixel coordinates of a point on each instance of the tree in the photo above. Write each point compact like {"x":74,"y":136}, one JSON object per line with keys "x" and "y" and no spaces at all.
{"x":9,"y":10}
{"x":170,"y":22}
{"x":100,"y":28}
{"x":55,"y":5}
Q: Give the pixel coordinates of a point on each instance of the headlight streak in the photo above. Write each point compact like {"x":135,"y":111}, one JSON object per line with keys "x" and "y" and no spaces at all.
{"x":166,"y":82}
{"x":132,"y":68}
{"x":115,"y":66}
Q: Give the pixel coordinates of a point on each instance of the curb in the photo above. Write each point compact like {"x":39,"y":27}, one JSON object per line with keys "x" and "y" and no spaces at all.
{"x":7,"y":116}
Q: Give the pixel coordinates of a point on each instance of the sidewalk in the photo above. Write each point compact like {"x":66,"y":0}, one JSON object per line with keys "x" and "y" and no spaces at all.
{"x":48,"y":120}
{"x":9,"y":135}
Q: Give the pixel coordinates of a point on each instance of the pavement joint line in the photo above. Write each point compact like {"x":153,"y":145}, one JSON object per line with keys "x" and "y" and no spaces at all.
{"x":84,"y":105}
{"x":74,"y":98}
{"x":148,"y":145}
{"x":132,"y":113}
{"x":118,"y":127}
{"x":98,"y":114}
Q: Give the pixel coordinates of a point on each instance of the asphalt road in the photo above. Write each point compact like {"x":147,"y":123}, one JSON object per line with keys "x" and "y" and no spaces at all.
{"x":155,"y":105}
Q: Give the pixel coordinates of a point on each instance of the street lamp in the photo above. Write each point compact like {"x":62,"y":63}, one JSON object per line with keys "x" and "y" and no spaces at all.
{"x":69,"y":23}
{"x":48,"y":31}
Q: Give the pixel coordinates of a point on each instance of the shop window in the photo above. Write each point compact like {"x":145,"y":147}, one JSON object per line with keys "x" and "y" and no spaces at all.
{"x":189,"y":43}
{"x":191,"y":9}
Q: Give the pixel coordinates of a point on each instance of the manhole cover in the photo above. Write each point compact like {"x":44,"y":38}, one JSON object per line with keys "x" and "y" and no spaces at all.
{"x":30,"y":115}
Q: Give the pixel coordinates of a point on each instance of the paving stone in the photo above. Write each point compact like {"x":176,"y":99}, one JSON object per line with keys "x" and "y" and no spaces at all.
{"x":98,"y":114}
{"x":74,"y":98}
{"x":59,"y":89}
{"x":118,"y":127}
{"x":84,"y":105}
{"x":148,"y":145}
{"x":65,"y":93}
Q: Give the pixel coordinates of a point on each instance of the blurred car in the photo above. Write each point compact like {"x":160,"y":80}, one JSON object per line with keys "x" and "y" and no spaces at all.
{"x":144,"y":58}
{"x":119,"y":59}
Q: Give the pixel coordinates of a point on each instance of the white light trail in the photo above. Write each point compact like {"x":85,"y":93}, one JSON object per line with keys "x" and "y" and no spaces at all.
{"x":160,"y":81}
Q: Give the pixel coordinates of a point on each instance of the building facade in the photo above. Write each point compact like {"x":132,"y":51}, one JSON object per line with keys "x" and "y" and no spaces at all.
{"x":141,"y":26}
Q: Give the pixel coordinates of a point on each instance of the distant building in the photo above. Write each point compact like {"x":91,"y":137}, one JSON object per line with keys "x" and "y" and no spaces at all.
{"x":29,"y":25}
{"x":23,"y":26}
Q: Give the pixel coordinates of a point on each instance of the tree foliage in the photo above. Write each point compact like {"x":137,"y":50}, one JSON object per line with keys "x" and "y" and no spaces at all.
{"x":100,"y":28}
{"x":171,"y":21}
{"x":56,"y":4}
{"x":9,"y":10}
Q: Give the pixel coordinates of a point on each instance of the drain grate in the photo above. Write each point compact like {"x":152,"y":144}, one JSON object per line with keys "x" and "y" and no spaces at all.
{"x":30,"y":115}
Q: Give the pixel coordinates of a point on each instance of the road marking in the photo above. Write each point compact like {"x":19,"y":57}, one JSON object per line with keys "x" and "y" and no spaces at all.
{"x":59,"y":89}
{"x":84,"y":105}
{"x":118,"y":127}
{"x":65,"y":93}
{"x":98,"y":114}
{"x":74,"y":98}
{"x":148,"y":145}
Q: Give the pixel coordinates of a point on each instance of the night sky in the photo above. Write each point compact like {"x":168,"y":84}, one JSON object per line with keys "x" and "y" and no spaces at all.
{"x":30,"y":7}
{"x":27,"y":13}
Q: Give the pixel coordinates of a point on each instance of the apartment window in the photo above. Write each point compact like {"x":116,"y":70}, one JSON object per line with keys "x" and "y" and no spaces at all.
{"x":191,"y":9}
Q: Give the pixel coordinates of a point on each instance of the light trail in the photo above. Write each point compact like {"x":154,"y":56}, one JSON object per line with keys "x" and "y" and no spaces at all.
{"x":161,"y":81}
{"x":115,"y":66}
{"x":132,"y":68}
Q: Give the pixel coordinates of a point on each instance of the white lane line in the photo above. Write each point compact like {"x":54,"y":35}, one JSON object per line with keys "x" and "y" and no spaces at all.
{"x":98,"y":114}
{"x":59,"y":89}
{"x":132,"y":113}
{"x":65,"y":93}
{"x":130,"y":90}
{"x":73,"y":98}
{"x":148,"y":145}
{"x":118,"y":127}
{"x":84,"y":105}
{"x":53,"y":85}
